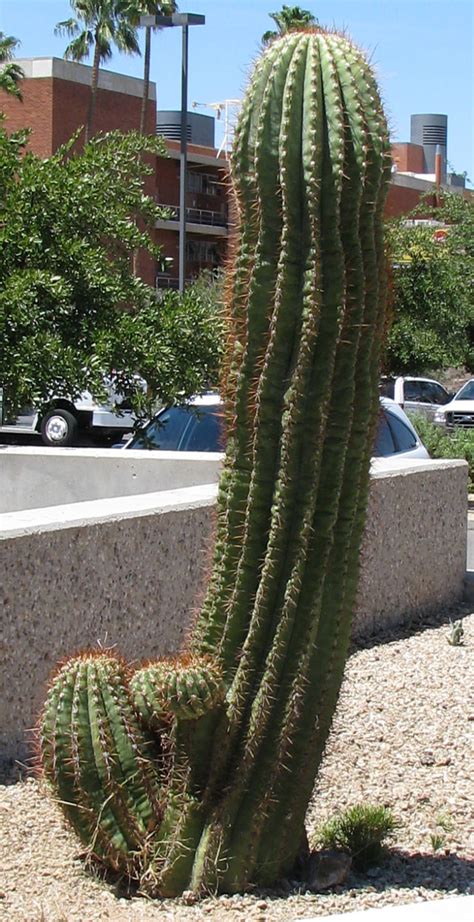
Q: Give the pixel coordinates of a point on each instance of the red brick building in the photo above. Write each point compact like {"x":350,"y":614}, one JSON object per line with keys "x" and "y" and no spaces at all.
{"x":55,"y":103}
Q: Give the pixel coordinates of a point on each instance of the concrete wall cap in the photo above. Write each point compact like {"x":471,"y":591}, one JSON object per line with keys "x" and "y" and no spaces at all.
{"x":93,"y":512}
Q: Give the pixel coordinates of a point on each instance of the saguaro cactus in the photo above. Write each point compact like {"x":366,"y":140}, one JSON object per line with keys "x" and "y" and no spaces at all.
{"x":196,"y":772}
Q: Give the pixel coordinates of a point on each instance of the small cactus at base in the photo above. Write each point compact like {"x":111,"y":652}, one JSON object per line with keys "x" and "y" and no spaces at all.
{"x":186,"y":688}
{"x":240,"y":722}
{"x":100,"y":761}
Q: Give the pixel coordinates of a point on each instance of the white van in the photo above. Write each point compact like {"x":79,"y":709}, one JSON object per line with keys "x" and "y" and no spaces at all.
{"x":63,"y":421}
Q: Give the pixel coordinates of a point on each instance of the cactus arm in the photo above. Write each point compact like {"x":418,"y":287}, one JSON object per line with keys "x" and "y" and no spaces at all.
{"x":99,"y":760}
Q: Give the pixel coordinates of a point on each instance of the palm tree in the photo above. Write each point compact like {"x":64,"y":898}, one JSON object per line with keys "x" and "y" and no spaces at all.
{"x":10,"y":73}
{"x":133,"y":9}
{"x":289,"y":18}
{"x":99,"y":25}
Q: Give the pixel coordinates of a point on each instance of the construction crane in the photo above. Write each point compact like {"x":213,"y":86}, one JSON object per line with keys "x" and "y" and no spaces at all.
{"x":229,"y":107}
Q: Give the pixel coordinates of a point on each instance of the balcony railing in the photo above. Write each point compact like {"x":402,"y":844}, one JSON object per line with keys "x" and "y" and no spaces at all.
{"x":198,"y":216}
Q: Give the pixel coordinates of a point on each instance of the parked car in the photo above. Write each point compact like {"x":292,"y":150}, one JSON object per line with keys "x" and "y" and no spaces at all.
{"x":417,"y":395}
{"x":460,"y":410}
{"x":199,"y":427}
{"x":63,"y":420}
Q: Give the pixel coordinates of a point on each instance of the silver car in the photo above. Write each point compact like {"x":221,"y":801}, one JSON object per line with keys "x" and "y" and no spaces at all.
{"x":198,"y":426}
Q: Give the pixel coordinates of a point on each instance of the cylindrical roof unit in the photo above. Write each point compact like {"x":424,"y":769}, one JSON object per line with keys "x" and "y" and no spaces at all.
{"x":431,"y":131}
{"x":200,"y":128}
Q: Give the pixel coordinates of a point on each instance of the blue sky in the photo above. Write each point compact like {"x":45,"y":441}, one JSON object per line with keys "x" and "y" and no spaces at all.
{"x":422,"y":51}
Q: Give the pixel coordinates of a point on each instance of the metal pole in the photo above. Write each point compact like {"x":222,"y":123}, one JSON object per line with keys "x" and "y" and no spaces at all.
{"x":183,"y":161}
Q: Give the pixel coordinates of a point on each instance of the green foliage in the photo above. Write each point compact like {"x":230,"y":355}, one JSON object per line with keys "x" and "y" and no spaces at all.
{"x":361,"y":831}
{"x":288,"y":19}
{"x":433,"y":282}
{"x":446,"y":443}
{"x":71,"y":308}
{"x":99,"y":24}
{"x":10,"y":73}
{"x":242,"y":739}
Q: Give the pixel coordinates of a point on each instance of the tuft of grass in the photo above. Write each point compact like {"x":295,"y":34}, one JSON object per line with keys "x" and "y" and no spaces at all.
{"x":438,"y":841}
{"x":361,"y":831}
{"x":456,"y":635}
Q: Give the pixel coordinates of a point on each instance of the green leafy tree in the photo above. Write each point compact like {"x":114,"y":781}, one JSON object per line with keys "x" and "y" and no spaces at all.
{"x":10,"y":73}
{"x":287,"y":19}
{"x":433,"y":288}
{"x":133,"y":9}
{"x":97,"y":26}
{"x":71,"y":308}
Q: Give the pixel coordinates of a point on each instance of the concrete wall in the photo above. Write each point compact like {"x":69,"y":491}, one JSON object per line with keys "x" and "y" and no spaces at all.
{"x":128,"y":573}
{"x":31,"y":478}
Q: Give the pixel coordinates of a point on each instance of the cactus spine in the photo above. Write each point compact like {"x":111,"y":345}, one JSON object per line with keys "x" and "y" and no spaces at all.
{"x":244,"y":718}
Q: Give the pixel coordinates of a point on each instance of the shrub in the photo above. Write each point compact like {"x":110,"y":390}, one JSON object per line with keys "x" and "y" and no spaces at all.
{"x":360,"y":830}
{"x":442,"y":443}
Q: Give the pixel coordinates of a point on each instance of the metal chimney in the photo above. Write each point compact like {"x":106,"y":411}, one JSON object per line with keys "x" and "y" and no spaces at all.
{"x":431,"y":132}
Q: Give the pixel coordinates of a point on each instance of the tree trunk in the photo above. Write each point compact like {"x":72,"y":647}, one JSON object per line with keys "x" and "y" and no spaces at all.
{"x":93,"y":95}
{"x":146,"y":79}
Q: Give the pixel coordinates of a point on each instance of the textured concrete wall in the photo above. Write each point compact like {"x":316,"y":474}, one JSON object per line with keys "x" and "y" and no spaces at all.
{"x":38,"y":477}
{"x":129,"y":572}
{"x":414,"y":551}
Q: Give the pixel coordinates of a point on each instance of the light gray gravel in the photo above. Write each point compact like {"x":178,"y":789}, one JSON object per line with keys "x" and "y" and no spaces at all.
{"x":403,"y":737}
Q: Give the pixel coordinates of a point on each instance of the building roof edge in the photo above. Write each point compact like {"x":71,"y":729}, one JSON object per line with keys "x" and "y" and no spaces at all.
{"x":61,"y":69}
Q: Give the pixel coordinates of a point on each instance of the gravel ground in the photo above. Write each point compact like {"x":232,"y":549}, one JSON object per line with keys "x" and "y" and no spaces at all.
{"x":402,"y":737}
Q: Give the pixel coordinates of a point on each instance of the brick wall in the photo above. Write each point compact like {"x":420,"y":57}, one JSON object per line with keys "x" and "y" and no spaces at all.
{"x":409,"y":158}
{"x":54,"y":108}
{"x":401,"y":200}
{"x":35,"y":112}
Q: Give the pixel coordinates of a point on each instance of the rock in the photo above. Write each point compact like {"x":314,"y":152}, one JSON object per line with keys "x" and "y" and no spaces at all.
{"x":188,"y":897}
{"x":326,"y":869}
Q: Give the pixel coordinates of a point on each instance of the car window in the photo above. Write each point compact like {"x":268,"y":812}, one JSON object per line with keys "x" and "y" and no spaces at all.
{"x":403,"y":437}
{"x":434,"y":393}
{"x":466,"y":392}
{"x":166,"y":432}
{"x":205,"y":433}
{"x":384,"y":444}
{"x":387,"y":388}
{"x":413,"y":391}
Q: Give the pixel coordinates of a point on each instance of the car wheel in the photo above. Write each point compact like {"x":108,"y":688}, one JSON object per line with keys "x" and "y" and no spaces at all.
{"x":59,"y":428}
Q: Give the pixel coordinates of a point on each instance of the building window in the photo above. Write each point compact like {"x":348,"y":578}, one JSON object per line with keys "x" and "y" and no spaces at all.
{"x":202,"y":253}
{"x":204,"y":183}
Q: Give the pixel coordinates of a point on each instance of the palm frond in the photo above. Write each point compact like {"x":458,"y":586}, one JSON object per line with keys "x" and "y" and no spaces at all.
{"x":80,"y":47}
{"x":126,"y":38}
{"x":10,"y":77}
{"x":8,"y":43}
{"x":69,"y":27}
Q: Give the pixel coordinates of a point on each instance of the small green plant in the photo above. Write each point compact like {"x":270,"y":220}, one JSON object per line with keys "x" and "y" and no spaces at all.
{"x":445,"y":822}
{"x":438,"y":841}
{"x":361,"y":831}
{"x":456,"y":634}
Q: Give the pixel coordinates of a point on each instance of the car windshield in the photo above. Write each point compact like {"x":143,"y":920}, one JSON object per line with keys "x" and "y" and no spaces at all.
{"x":466,"y":392}
{"x":198,"y":428}
{"x":392,"y":436}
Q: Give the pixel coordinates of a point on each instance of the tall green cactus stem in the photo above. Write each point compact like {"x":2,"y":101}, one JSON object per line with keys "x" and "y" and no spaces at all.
{"x":245,"y":718}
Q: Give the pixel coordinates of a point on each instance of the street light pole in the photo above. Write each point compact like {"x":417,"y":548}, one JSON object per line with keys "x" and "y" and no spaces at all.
{"x":184,"y":20}
{"x":183,"y":161}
